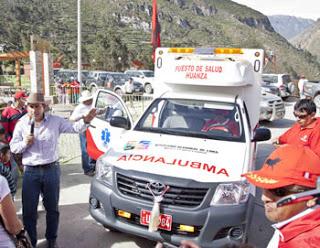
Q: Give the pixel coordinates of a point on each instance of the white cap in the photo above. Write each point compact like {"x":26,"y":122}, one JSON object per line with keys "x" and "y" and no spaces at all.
{"x":85,"y":96}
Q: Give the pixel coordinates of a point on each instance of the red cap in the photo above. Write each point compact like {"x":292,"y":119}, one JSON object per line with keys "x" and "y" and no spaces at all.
{"x":20,"y":94}
{"x":287,"y":165}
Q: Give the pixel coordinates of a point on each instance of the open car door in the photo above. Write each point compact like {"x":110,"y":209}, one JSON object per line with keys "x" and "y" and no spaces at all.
{"x":101,"y":133}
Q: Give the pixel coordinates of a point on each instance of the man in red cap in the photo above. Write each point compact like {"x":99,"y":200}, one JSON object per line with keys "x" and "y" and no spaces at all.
{"x":306,"y":131}
{"x":290,"y":170}
{"x":11,"y":114}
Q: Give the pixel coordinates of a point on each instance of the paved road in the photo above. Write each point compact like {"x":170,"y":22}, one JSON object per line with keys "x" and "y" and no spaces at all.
{"x":78,"y":229}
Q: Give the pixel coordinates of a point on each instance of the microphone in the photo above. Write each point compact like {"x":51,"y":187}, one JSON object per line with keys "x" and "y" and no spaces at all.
{"x":32,"y":126}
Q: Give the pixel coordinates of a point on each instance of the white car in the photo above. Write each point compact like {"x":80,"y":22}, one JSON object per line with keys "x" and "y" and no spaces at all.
{"x":282,"y":82}
{"x":145,"y":77}
{"x":271,"y":107}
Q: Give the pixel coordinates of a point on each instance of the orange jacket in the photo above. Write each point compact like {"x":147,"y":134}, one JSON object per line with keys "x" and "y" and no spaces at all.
{"x":308,"y":136}
{"x":302,"y":232}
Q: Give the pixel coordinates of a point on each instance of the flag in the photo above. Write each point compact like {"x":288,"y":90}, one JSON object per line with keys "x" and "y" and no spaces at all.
{"x":155,"y":36}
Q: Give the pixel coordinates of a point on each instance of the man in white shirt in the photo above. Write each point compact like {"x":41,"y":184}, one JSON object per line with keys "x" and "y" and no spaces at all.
{"x":290,"y":170}
{"x":36,"y":137}
{"x":86,"y":100}
{"x":128,"y":86}
{"x":301,"y":83}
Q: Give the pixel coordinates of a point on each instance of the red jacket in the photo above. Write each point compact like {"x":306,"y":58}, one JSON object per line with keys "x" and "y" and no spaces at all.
{"x":302,"y":232}
{"x":9,"y":119}
{"x":308,"y":136}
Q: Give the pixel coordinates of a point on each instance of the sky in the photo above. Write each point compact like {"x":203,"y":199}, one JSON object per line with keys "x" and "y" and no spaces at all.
{"x":300,"y":8}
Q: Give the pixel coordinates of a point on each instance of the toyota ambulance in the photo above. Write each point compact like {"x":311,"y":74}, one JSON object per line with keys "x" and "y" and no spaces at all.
{"x":175,"y":173}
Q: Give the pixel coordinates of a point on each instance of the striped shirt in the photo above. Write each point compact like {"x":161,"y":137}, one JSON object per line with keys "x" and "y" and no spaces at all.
{"x":5,"y":171}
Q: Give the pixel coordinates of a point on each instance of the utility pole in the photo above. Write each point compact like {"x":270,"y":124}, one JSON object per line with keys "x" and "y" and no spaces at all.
{"x":79,"y":41}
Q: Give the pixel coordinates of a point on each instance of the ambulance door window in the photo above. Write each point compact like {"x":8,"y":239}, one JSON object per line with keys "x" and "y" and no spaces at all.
{"x":109,"y":106}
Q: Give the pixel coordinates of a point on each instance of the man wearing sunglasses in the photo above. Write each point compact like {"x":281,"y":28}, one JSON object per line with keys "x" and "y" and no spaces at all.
{"x":289,"y":170}
{"x":306,"y":131}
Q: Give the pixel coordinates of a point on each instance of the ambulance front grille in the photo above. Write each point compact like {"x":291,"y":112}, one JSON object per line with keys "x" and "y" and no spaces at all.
{"x":177,"y":196}
{"x":278,"y":104}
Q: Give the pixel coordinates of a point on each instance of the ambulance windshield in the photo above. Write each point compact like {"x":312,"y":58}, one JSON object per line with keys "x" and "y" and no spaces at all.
{"x":196,"y":118}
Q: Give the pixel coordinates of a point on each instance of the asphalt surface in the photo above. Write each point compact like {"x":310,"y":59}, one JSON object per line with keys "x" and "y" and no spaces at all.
{"x":78,"y":229}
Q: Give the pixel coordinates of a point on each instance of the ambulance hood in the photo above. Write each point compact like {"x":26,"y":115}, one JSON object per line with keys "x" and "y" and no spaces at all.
{"x":198,"y":159}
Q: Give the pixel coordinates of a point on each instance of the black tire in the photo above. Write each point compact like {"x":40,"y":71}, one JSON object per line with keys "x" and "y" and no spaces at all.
{"x":148,"y":89}
{"x":118,"y":92}
{"x":93,"y":88}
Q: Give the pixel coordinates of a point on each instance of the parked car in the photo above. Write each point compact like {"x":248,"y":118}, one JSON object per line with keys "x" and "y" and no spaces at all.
{"x":271,"y":107}
{"x":117,"y":81}
{"x":282,"y":81}
{"x":311,"y":89}
{"x":97,"y":79}
{"x":145,"y":77}
{"x":114,"y":81}
{"x":65,"y":75}
{"x":68,"y":75}
{"x":268,"y":87}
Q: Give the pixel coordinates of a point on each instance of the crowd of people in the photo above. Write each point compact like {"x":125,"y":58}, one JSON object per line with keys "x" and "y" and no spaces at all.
{"x":27,"y":129}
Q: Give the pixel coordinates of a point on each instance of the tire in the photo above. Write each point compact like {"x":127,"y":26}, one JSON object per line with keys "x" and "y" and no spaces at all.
{"x":316,"y":100}
{"x":148,"y":89}
{"x":118,"y":92}
{"x":93,"y":88}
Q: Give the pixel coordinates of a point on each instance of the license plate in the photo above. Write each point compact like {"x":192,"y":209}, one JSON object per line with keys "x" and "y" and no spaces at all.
{"x":165,"y":220}
{"x":279,"y":114}
{"x":137,"y":90}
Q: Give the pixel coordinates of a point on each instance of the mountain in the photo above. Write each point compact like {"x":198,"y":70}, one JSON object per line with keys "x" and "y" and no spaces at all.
{"x":309,"y":40}
{"x":114,"y":33}
{"x":289,"y":26}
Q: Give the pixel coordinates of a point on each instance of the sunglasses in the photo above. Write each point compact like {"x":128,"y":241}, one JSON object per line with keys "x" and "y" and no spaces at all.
{"x":300,"y":116}
{"x":281,"y":192}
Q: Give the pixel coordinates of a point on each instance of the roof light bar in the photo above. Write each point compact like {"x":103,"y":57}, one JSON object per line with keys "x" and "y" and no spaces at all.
{"x":219,"y":50}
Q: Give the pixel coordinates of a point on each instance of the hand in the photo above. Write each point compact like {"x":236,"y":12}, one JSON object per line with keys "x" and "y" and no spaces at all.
{"x":20,"y":167}
{"x":275,"y":142}
{"x":30,"y":139}
{"x":188,"y":244}
{"x":89,"y":117}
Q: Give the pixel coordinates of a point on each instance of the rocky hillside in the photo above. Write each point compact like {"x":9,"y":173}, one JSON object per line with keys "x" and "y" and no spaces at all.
{"x":122,"y":29}
{"x":289,"y":26}
{"x":309,"y":40}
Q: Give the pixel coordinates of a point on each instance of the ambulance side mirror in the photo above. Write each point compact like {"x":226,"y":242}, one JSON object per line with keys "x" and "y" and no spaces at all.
{"x":120,"y":122}
{"x":261,"y":134}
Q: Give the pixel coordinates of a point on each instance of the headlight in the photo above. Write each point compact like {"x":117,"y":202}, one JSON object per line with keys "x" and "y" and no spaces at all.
{"x":264,"y":104}
{"x":231,"y":193}
{"x":103,"y":171}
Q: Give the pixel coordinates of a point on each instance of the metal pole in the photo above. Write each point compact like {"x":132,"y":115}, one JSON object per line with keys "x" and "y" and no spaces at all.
{"x":79,"y":41}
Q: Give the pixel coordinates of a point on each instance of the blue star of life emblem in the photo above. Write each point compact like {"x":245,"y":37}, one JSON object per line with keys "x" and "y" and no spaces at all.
{"x":105,"y":136}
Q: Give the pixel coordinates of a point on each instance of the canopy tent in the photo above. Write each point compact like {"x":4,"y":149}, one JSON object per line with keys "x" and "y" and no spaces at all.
{"x":16,"y":56}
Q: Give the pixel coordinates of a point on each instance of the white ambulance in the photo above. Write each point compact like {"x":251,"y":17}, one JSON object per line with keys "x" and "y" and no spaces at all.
{"x":175,"y":174}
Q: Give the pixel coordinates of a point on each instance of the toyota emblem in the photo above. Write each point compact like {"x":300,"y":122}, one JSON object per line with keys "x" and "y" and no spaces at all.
{"x":157,"y":188}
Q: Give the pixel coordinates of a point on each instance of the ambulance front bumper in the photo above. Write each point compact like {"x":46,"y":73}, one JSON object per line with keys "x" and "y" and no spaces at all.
{"x":214,"y":226}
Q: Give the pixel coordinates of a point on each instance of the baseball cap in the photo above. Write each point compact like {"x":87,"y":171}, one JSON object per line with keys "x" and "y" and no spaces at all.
{"x":20,"y":94}
{"x":287,"y":165}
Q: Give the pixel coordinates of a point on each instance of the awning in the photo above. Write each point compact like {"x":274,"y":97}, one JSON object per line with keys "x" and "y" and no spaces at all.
{"x":14,"y":55}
